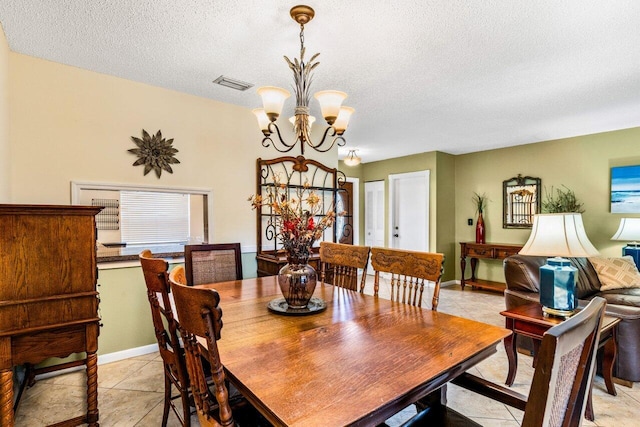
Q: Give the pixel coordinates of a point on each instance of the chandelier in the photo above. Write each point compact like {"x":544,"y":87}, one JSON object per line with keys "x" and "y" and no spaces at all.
{"x":336,"y":115}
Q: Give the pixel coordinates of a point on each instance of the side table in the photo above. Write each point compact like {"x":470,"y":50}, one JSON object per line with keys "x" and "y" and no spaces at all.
{"x":530,"y":321}
{"x":488,"y":251}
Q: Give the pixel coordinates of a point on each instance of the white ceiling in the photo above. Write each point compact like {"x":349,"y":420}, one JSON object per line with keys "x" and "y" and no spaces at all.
{"x":456,"y":76}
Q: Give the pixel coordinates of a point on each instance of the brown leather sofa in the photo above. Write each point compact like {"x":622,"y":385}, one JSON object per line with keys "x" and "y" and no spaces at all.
{"x":522,"y":277}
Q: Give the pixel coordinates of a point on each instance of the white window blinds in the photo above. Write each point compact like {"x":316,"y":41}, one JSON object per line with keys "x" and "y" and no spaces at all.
{"x":154,"y":217}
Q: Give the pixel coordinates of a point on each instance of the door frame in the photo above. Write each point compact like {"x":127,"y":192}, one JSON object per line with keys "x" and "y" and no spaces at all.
{"x":392,"y":179}
{"x":355,"y":196}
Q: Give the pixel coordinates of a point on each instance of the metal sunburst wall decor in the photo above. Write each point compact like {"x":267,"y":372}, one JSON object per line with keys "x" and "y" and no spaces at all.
{"x":154,"y":152}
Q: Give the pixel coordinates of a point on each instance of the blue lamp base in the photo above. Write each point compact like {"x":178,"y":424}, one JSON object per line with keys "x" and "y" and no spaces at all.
{"x":558,"y":287}
{"x":634,"y":251}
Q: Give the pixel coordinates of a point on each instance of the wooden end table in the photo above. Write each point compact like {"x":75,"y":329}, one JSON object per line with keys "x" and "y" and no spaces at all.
{"x":529,"y":320}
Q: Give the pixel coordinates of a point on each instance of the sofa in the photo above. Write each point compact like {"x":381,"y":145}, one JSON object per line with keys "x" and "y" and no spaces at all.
{"x":522,"y":280}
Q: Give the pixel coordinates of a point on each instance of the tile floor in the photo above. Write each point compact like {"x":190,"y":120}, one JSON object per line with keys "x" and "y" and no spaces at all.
{"x":131,"y":390}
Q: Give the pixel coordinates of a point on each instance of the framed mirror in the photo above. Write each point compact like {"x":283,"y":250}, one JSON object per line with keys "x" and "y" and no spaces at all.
{"x":520,"y":201}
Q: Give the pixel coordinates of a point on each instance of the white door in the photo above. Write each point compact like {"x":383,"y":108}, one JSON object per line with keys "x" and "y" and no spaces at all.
{"x":374,"y":215}
{"x":409,"y":211}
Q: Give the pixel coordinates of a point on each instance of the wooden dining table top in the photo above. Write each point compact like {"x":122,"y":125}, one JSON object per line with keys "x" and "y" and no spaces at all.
{"x":358,"y":362}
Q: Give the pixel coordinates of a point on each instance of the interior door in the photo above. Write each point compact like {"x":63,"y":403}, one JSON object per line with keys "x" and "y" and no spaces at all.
{"x":409,"y":211}
{"x":374,"y":215}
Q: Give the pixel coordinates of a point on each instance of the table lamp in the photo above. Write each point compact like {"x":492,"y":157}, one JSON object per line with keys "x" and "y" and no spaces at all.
{"x":629,"y":230}
{"x":558,"y":235}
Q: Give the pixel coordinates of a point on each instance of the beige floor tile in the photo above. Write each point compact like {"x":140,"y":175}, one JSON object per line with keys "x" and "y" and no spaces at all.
{"x":126,"y":407}
{"x":150,"y":377}
{"x":111,"y":374}
{"x":45,"y":404}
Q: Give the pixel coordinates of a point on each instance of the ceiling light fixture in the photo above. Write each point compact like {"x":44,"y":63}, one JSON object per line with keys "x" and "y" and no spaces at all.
{"x":352,"y":159}
{"x":336,"y":115}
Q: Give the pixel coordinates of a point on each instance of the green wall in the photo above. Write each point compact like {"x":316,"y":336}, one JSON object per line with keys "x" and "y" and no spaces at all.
{"x":581,"y":163}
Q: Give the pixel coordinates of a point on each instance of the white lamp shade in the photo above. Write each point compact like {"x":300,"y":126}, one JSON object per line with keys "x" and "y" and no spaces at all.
{"x":330,"y":102}
{"x":273,"y":100}
{"x":341,"y":123}
{"x":263,"y":120}
{"x":629,"y":230}
{"x":561,"y":235}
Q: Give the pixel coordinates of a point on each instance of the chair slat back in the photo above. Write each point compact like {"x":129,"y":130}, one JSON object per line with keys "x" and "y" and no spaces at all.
{"x":565,"y":369}
{"x":166,"y":331}
{"x":212,"y":263}
{"x":409,"y":270}
{"x":340,"y":264}
{"x":200,"y":325}
{"x":164,"y":323}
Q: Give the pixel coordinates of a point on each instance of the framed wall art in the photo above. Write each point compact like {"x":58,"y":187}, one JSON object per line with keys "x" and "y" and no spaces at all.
{"x":625,"y":189}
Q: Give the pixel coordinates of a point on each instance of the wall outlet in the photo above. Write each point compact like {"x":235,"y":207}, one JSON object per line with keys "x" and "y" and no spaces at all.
{"x":470,"y":221}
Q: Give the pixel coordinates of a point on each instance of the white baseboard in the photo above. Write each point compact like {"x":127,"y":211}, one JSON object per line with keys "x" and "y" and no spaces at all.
{"x":449,"y":283}
{"x":107,"y":358}
{"x":126,"y":354}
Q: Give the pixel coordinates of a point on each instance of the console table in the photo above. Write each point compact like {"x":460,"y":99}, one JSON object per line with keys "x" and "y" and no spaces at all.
{"x":476,"y":251}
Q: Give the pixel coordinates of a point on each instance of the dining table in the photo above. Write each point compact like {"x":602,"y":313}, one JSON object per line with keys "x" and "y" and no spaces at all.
{"x":356,"y":363}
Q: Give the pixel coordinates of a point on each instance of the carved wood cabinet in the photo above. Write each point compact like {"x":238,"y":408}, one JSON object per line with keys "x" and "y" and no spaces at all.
{"x":48,"y":297}
{"x":294,"y":173}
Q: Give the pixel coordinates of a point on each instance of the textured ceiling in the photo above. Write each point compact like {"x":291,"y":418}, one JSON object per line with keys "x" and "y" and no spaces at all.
{"x":452,"y":75}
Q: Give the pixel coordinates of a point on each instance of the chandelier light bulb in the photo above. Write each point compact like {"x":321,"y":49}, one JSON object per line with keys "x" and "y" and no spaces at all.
{"x":342,"y":121}
{"x":273,"y":100}
{"x":330,"y":103}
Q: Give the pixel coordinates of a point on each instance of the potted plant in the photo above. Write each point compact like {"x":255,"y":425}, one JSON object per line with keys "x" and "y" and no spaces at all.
{"x":562,"y":201}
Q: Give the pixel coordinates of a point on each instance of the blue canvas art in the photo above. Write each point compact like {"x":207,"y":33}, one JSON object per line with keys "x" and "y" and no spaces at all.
{"x":625,"y":189}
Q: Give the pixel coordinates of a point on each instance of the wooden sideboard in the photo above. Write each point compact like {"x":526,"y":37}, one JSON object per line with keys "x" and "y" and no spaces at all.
{"x":48,"y":297}
{"x":475,"y":251}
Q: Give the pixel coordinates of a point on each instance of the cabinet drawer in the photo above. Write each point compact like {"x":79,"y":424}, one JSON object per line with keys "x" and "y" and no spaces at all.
{"x":481,"y":252}
{"x":506,"y":252}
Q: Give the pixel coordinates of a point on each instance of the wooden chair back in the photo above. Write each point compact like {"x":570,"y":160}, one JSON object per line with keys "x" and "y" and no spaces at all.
{"x":561,"y":382}
{"x":200,"y":325}
{"x":166,"y":331}
{"x":565,"y":369}
{"x":409,"y":270}
{"x":340,"y":264}
{"x":212,"y":263}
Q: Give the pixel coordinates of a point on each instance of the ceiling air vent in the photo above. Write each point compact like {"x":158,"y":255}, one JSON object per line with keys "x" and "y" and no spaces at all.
{"x":232,"y":83}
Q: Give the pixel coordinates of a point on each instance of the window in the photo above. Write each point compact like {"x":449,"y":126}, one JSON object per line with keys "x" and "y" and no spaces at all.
{"x":148,"y":215}
{"x":153,"y":217}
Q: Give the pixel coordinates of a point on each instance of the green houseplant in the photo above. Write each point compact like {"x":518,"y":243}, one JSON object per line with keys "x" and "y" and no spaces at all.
{"x":561,"y":201}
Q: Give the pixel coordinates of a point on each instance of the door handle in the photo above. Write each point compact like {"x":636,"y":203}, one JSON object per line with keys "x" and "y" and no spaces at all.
{"x":395,"y":235}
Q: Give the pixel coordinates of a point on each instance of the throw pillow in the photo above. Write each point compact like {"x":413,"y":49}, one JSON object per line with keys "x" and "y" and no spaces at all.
{"x":616,"y":273}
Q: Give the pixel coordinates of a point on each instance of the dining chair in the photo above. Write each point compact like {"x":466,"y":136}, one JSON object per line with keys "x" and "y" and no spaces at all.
{"x":200,"y":325}
{"x":212,"y":263}
{"x":166,"y":331}
{"x":409,"y":270}
{"x":339,"y":264}
{"x":561,"y":381}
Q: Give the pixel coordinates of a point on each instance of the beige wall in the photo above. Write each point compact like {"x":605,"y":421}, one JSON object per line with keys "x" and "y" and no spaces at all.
{"x":5,"y":160}
{"x":582,"y":163}
{"x":69,"y":124}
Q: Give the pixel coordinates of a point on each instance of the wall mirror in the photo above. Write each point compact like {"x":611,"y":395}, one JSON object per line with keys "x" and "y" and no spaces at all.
{"x":520,"y":201}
